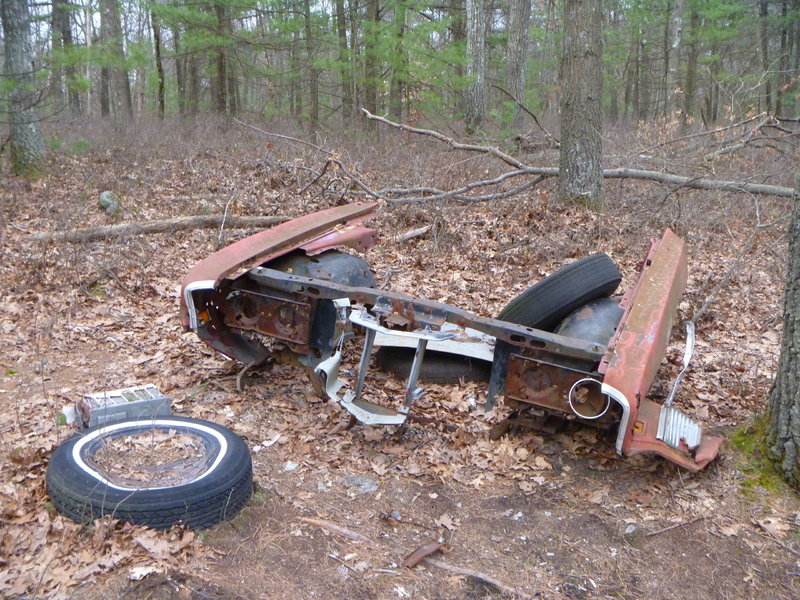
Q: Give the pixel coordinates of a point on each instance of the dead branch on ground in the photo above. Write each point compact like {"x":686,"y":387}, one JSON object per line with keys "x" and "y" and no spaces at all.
{"x":337,"y":529}
{"x":503,"y":587}
{"x":284,"y":137}
{"x":92,"y":234}
{"x":701,"y":183}
{"x":705,"y":133}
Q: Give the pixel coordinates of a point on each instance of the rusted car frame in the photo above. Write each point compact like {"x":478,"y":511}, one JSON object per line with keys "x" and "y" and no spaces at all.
{"x":242,"y":307}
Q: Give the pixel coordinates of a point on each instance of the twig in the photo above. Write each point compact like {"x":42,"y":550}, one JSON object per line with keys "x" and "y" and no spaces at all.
{"x":772,"y":538}
{"x":506,"y":589}
{"x":336,"y":558}
{"x":84,"y":328}
{"x":550,"y":139}
{"x":676,"y":525}
{"x":704,"y":133}
{"x":733,"y":268}
{"x":496,"y":152}
{"x":337,"y":529}
{"x":284,"y":137}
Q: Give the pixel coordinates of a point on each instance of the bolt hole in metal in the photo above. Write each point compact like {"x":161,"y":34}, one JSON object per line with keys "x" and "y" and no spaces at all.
{"x":580,"y":392}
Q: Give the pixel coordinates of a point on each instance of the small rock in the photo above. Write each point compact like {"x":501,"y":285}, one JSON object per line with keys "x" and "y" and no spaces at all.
{"x":361,"y":484}
{"x":290,"y":466}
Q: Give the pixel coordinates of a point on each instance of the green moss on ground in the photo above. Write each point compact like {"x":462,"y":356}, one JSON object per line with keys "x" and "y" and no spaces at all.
{"x":760,"y":474}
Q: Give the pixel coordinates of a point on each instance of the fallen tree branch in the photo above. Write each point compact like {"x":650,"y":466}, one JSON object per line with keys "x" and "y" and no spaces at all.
{"x":676,"y":525}
{"x":284,"y":137}
{"x":337,"y":529}
{"x":91,"y":234}
{"x":414,"y":233}
{"x":704,"y":133}
{"x":701,"y":183}
{"x":505,"y":588}
{"x":510,"y":160}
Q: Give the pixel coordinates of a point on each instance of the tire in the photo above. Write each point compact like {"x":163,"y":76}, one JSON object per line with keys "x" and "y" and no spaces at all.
{"x":437,"y":367}
{"x":200,"y":490}
{"x":545,"y":304}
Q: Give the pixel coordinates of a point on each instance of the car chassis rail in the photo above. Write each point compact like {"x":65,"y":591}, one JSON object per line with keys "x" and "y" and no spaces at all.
{"x":312,"y":317}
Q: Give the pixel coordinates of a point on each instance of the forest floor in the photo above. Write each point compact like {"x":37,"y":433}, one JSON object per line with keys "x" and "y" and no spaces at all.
{"x":552,"y":516}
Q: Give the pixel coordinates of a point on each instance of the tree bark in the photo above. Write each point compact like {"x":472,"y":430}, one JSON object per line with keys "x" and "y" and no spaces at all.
{"x":344,"y":63}
{"x":691,"y":68}
{"x":313,"y":72}
{"x":783,"y":436}
{"x":26,"y":142}
{"x":371,"y":57}
{"x":475,"y":92}
{"x":62,"y":39}
{"x":518,"y":25}
{"x":111,"y":33}
{"x":156,"y":26}
{"x":763,"y":33}
{"x":581,"y":83}
{"x":399,"y":61}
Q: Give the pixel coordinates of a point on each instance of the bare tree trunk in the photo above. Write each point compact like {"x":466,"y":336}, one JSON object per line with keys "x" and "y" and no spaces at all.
{"x":156,"y":25}
{"x":313,"y":72}
{"x":219,"y":79}
{"x":783,"y":62}
{"x":344,"y":63}
{"x":399,"y":61}
{"x":475,"y":92}
{"x":691,"y":69}
{"x":518,"y":25}
{"x":783,"y":437}
{"x":581,"y":83}
{"x":371,"y":59}
{"x":180,"y":71}
{"x":111,"y":34}
{"x":26,"y":143}
{"x":62,"y":39}
{"x":763,"y":14}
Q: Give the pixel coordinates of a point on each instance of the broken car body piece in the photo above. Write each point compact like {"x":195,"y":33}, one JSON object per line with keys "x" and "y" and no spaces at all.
{"x":286,"y":293}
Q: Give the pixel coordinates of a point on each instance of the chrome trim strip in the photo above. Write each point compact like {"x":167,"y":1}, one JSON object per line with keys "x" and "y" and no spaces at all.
{"x":620,"y":399}
{"x":188,"y":290}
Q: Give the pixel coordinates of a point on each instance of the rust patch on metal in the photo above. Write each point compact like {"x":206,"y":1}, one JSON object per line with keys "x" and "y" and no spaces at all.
{"x":286,"y":320}
{"x":547,"y":386}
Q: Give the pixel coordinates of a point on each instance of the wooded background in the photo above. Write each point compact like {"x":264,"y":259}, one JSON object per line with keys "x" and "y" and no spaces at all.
{"x":452,"y":60}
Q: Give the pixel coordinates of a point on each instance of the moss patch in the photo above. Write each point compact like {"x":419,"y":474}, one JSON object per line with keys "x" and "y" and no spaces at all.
{"x":760,"y":474}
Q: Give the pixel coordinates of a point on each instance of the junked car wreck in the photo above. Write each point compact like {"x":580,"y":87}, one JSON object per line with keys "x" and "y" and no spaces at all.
{"x":563,"y":347}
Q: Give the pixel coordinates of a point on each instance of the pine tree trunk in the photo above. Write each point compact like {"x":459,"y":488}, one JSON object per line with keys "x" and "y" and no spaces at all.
{"x":26,"y":142}
{"x":763,"y":14}
{"x":371,"y":60}
{"x":581,"y":83}
{"x":156,"y":25}
{"x":475,"y":92}
{"x":111,"y":33}
{"x":399,"y":62}
{"x":313,"y":72}
{"x":344,"y":63}
{"x":783,"y":437}
{"x":518,"y":25}
{"x":691,"y":69}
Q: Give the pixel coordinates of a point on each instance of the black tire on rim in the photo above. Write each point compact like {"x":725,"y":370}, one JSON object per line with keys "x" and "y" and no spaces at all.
{"x":209,"y":483}
{"x":437,"y":367}
{"x":545,"y":304}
